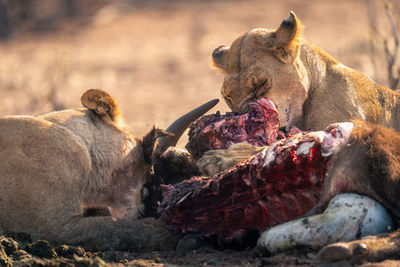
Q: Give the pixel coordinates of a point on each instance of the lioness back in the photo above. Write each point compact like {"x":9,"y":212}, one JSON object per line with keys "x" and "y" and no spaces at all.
{"x":33,"y":165}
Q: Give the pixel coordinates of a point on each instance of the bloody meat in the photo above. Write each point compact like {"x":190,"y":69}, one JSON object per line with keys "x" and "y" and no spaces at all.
{"x":270,"y":188}
{"x":259,"y":127}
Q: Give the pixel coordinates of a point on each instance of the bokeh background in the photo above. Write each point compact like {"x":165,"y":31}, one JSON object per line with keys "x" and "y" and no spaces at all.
{"x":153,"y":56}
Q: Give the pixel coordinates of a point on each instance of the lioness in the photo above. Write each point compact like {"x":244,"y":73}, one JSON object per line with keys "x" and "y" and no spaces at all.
{"x":310,"y":88}
{"x":53,"y":165}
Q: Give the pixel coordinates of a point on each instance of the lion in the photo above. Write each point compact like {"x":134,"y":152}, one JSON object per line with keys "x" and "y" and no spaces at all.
{"x":310,"y":88}
{"x":54,"y":165}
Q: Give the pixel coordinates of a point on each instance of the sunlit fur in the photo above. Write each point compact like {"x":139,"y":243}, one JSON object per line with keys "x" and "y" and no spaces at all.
{"x":54,"y":165}
{"x":368,"y":165}
{"x":310,"y":88}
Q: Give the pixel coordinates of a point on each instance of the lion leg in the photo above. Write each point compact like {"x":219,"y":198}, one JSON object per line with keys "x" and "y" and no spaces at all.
{"x":102,"y":233}
{"x":215,"y":161}
{"x":57,"y":215}
{"x":370,"y":248}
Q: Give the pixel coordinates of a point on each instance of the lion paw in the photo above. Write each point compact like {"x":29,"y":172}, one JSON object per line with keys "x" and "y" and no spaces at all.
{"x":370,"y":248}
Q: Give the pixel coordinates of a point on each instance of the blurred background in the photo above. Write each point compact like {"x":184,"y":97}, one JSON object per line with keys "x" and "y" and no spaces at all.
{"x":153,"y":56}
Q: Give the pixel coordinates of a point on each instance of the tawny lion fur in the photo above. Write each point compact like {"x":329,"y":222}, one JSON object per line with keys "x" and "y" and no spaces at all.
{"x":369,"y":165}
{"x":310,"y":88}
{"x":54,"y":165}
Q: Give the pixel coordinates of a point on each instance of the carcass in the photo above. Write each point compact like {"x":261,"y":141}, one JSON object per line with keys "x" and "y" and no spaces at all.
{"x":288,"y":178}
{"x":221,"y":141}
{"x":281,"y":182}
{"x":258,"y":127}
{"x":368,"y":165}
{"x":278,"y":184}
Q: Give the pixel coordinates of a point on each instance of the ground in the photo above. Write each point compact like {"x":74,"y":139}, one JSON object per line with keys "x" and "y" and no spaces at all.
{"x":19,"y":249}
{"x":154,"y":58}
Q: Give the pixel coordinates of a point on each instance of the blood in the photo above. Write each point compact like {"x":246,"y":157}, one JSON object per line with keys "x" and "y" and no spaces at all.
{"x":258,"y":127}
{"x":253,"y":195}
{"x":249,"y":196}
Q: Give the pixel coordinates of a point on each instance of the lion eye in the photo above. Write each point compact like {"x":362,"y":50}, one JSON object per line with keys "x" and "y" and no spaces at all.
{"x":262,"y":84}
{"x":228,"y":99}
{"x":262,"y":88}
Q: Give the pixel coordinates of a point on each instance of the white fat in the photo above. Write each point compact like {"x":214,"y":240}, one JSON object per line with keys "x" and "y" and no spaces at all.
{"x":304,"y":149}
{"x":291,"y":141}
{"x":184,"y":197}
{"x":326,"y":152}
{"x":346,"y":128}
{"x":314,"y":178}
{"x":264,"y":151}
{"x":337,"y":143}
{"x":269,"y":156}
{"x":320,"y":135}
{"x":347,"y":216}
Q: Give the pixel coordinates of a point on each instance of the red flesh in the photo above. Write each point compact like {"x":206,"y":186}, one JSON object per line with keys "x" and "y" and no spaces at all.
{"x":258,"y":127}
{"x":249,"y":196}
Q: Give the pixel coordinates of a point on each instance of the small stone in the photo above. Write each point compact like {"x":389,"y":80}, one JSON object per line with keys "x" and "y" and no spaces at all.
{"x":43,"y":249}
{"x":19,"y":236}
{"x":4,"y":259}
{"x":360,"y":250}
{"x":10,"y":246}
{"x":83,"y":262}
{"x":261,"y":251}
{"x":189,"y":242}
{"x":69,"y":251}
{"x":22,"y":256}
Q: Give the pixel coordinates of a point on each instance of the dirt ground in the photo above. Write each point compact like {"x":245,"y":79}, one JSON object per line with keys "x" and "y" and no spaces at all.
{"x":18,"y":249}
{"x":154,"y":58}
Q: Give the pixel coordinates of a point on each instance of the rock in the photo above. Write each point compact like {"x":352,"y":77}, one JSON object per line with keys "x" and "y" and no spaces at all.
{"x":4,"y":259}
{"x":69,"y":251}
{"x":10,"y":246}
{"x":42,"y":249}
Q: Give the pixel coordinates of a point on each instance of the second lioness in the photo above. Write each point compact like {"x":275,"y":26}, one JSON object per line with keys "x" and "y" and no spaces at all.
{"x":310,"y":88}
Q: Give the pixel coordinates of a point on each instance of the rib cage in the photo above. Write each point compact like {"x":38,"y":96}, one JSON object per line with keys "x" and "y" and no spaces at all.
{"x":274,"y":186}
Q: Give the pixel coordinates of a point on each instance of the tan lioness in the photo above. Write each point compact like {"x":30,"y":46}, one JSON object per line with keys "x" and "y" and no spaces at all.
{"x":54,"y":165}
{"x":310,"y":88}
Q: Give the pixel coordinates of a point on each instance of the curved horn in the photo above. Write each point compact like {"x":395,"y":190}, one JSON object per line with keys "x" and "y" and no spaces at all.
{"x":179,"y":126}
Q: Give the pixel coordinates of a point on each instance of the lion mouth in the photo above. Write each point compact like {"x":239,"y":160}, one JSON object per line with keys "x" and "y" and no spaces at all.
{"x":245,"y":107}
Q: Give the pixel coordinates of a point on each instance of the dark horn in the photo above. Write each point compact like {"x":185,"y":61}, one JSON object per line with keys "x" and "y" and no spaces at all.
{"x":179,"y":126}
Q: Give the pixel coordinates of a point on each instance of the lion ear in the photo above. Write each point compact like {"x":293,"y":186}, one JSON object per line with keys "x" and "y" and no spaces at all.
{"x":287,"y":39}
{"x":219,"y":57}
{"x":101,"y":103}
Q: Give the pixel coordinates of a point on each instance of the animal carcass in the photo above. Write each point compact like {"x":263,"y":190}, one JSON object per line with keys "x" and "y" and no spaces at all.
{"x":280,"y":183}
{"x":288,"y":178}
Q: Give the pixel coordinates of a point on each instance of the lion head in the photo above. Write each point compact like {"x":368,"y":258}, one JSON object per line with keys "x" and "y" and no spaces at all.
{"x":264,"y":63}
